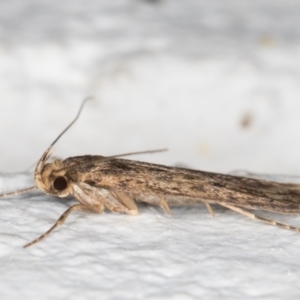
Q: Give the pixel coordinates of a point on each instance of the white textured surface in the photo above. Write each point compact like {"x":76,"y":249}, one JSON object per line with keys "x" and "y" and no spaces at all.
{"x":176,"y":74}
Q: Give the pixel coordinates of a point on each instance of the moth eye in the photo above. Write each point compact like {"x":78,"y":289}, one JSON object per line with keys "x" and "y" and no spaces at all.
{"x":60,"y":183}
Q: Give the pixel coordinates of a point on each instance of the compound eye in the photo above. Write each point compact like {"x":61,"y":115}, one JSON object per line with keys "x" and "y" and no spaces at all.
{"x":60,"y":183}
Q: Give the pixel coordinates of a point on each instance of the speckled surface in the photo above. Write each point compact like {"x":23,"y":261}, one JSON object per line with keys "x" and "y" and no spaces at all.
{"x":216,"y":84}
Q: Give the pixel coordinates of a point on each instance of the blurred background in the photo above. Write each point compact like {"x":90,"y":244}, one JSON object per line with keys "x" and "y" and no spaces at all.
{"x":215,"y":82}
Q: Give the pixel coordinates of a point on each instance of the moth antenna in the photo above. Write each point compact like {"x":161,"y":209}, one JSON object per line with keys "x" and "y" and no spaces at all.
{"x":19,"y":192}
{"x":134,"y":153}
{"x":75,"y":119}
{"x":47,"y":154}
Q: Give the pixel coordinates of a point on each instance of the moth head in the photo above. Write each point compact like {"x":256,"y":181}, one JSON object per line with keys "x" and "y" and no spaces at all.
{"x":52,"y":179}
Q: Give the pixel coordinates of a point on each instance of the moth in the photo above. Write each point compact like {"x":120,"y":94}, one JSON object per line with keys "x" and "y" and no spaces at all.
{"x":117,"y":184}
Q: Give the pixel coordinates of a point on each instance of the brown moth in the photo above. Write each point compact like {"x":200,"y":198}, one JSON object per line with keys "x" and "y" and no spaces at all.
{"x":99,"y":182}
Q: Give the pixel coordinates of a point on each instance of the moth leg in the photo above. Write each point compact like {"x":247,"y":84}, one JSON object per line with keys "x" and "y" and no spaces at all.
{"x":210,"y":210}
{"x":156,"y":200}
{"x":253,"y":216}
{"x":128,"y":202}
{"x":77,"y":207}
{"x":165,"y":207}
{"x":111,"y":202}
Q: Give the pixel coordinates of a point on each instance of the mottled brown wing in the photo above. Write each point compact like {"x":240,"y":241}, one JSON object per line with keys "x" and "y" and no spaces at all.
{"x":192,"y":186}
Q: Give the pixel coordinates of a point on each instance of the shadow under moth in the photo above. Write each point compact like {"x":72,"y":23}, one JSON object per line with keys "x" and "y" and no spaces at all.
{"x":116,"y":184}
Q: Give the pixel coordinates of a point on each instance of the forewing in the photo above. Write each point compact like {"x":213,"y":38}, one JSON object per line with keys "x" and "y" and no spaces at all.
{"x":183,"y":186}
